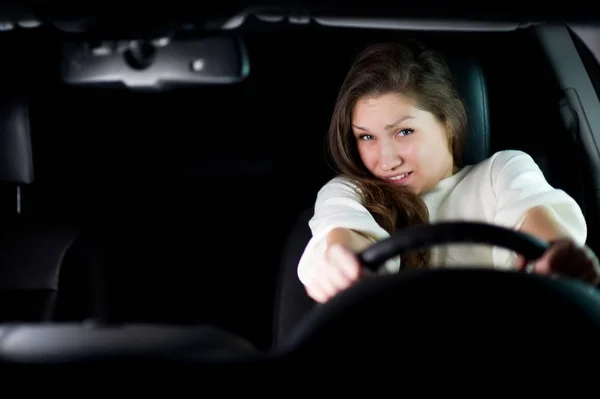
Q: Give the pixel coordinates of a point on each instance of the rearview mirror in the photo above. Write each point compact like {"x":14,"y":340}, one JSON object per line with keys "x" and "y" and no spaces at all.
{"x":156,"y":65}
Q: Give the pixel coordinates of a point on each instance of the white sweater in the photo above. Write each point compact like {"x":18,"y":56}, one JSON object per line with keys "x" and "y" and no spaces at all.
{"x":498,"y":191}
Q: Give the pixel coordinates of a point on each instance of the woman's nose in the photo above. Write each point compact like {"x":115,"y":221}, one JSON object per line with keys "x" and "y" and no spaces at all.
{"x":389,"y":158}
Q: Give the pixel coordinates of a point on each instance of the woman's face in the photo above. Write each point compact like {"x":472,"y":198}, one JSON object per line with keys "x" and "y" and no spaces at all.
{"x":400,"y":143}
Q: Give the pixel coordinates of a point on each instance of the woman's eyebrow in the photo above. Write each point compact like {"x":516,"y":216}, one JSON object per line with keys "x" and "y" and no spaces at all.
{"x":389,"y":126}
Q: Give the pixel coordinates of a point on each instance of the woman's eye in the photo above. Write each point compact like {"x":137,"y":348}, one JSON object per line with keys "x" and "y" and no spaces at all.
{"x":365,"y":137}
{"x":406,"y":132}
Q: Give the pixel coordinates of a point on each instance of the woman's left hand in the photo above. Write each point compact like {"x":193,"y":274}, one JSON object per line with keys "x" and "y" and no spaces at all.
{"x":568,"y":259}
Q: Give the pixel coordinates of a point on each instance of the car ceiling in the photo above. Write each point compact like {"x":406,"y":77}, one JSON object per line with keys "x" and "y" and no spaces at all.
{"x":73,"y":17}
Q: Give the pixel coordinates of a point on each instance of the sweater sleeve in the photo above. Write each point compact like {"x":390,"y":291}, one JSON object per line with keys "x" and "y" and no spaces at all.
{"x":338,"y":205}
{"x":519,"y":185}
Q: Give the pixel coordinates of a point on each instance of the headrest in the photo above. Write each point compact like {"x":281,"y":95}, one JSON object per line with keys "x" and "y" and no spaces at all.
{"x":16,"y":157}
{"x":470,"y":83}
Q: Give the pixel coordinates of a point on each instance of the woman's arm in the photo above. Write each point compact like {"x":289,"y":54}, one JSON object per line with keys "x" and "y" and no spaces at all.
{"x":542,"y":222}
{"x":351,"y":239}
{"x":564,"y":257}
{"x":525,"y":201}
{"x":339,"y":216}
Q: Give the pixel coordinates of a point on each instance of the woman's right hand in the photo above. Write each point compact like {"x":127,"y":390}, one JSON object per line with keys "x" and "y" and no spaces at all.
{"x":336,"y":271}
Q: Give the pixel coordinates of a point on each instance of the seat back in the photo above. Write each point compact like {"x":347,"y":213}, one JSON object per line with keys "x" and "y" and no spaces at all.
{"x":31,"y":250}
{"x":291,"y":300}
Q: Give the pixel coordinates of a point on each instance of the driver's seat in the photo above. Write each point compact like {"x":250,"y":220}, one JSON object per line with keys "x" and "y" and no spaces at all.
{"x":292,"y":302}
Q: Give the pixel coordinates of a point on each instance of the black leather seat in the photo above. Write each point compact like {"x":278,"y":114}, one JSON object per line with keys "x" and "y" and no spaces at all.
{"x":291,"y":300}
{"x":31,"y":248}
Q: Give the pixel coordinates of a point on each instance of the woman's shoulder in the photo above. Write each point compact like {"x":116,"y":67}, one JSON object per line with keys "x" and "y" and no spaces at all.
{"x":501,"y":160}
{"x":501,"y":166}
{"x":503,"y":157}
{"x":339,"y":186}
{"x":340,"y":180}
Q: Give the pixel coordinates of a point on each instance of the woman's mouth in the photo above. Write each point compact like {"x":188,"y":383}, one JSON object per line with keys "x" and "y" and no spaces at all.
{"x":400,"y":179}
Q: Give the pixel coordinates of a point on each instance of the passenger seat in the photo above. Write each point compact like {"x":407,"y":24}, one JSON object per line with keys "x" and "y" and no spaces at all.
{"x":32,"y":247}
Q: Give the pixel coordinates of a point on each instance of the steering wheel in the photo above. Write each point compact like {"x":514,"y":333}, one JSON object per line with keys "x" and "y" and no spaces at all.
{"x":424,"y":236}
{"x":444,"y":307}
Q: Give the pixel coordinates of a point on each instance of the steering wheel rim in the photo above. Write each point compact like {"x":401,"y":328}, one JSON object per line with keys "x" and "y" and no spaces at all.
{"x":427,"y":235}
{"x":355,"y":308}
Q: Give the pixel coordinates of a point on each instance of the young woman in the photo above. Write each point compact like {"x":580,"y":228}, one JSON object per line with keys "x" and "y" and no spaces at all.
{"x":395,"y":139}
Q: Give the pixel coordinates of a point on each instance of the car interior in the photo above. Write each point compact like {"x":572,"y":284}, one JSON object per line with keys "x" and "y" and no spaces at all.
{"x":173,"y":216}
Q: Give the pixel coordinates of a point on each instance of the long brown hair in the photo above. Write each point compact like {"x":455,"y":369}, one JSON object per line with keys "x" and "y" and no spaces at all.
{"x":423,"y":75}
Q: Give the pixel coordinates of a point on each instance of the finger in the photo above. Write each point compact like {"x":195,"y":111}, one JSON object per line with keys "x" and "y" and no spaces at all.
{"x":315,"y":292}
{"x":520,"y":263}
{"x":551,"y":261}
{"x":337,"y":278}
{"x":324,"y":283}
{"x":565,"y":258}
{"x":346,"y":261}
{"x":544,"y":265}
{"x":541,"y":266}
{"x":312,"y":286}
{"x":318,"y":287}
